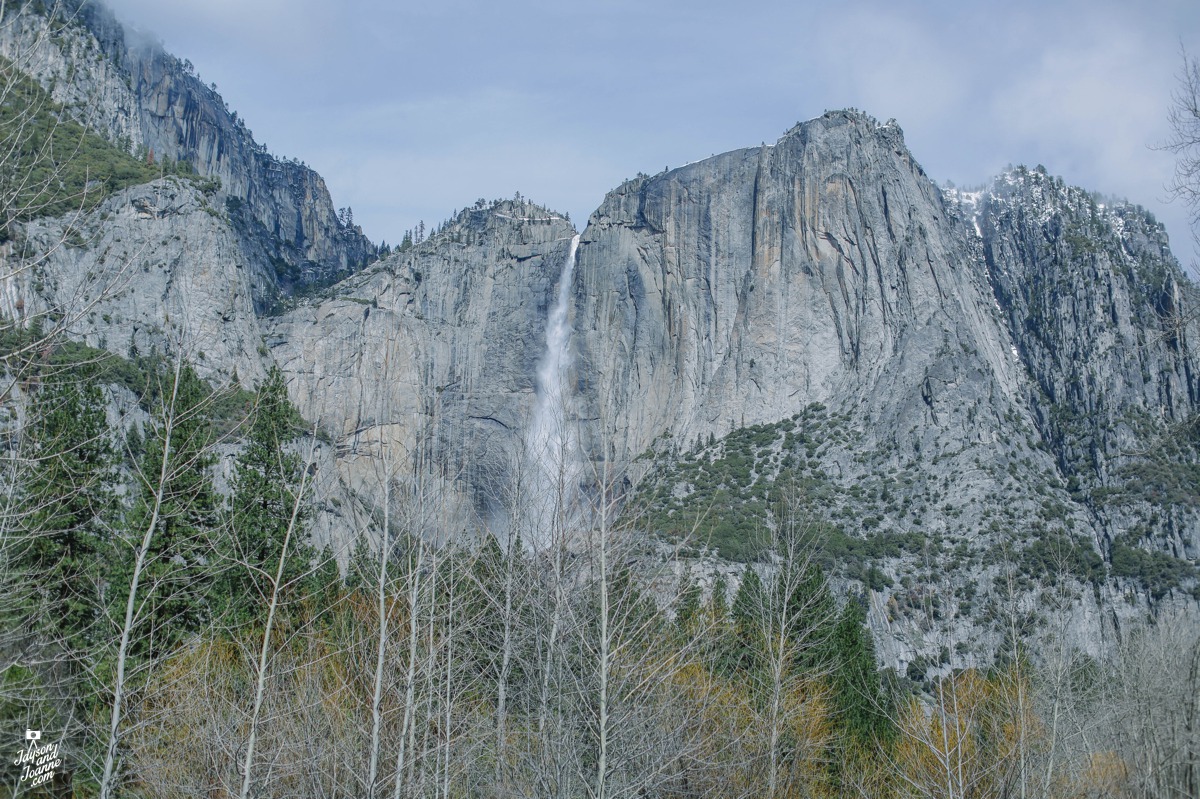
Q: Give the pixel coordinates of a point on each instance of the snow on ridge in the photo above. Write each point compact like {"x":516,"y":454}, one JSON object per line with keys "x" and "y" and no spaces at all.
{"x":970,"y":203}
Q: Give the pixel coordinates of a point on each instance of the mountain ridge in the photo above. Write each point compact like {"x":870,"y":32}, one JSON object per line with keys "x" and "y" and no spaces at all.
{"x":815,"y":312}
{"x":143,"y":99}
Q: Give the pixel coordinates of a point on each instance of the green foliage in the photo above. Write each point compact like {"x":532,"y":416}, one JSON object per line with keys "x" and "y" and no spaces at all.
{"x":863,"y":706}
{"x":361,"y":570}
{"x":719,"y":600}
{"x":482,"y":599}
{"x":29,"y":352}
{"x":835,"y":546}
{"x":1054,"y":552}
{"x":687,"y":603}
{"x":177,"y":503}
{"x":1158,"y":572}
{"x":268,"y":515}
{"x":740,"y":650}
{"x":69,"y":504}
{"x":324,"y":585}
{"x":229,"y":409}
{"x":731,"y":483}
{"x":797,"y":606}
{"x":727,"y":494}
{"x":810,"y":609}
{"x":52,"y":164}
{"x":1164,"y":477}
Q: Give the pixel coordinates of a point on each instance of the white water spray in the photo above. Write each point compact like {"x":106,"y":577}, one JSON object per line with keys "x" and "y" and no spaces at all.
{"x":551,"y":443}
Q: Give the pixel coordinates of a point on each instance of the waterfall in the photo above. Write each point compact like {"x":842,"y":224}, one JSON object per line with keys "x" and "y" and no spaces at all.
{"x":551,"y":443}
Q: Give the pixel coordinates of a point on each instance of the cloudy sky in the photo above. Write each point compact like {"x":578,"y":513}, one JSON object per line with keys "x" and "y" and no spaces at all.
{"x":411,"y":110}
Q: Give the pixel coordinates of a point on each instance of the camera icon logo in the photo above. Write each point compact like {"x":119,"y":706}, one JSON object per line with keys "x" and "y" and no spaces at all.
{"x":33,"y":735}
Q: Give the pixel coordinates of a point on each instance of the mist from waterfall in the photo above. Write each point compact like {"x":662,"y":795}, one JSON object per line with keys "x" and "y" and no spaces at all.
{"x":551,"y":443}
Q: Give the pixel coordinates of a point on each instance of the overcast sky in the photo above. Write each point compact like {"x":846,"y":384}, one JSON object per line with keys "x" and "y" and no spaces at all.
{"x":411,"y":110}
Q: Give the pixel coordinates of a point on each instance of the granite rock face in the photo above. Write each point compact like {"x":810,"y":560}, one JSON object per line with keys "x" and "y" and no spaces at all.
{"x":152,"y":268}
{"x":1005,"y":365}
{"x":432,"y":353}
{"x":825,"y":268}
{"x":1107,"y":328}
{"x":1007,"y":377}
{"x":133,"y":93}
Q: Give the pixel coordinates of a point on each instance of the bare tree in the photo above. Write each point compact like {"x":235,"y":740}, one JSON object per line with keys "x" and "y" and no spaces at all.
{"x":1184,"y":117}
{"x":31,"y":171}
{"x":388,"y":466}
{"x":280,"y":584}
{"x":1155,"y":692}
{"x":787,"y":614}
{"x":179,"y":453}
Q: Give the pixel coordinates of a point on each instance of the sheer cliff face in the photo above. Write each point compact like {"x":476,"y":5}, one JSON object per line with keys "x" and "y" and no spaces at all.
{"x":136,"y":94}
{"x":152,"y":268}
{"x":1096,"y":302}
{"x":285,"y":205}
{"x":825,"y":268}
{"x":999,"y":370}
{"x":430,"y":356}
{"x":1015,"y":367}
{"x":1107,"y":329}
{"x":829,"y":268}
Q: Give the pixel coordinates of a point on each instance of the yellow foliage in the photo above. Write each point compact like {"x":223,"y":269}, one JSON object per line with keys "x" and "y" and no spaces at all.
{"x":180,"y":744}
{"x":734,"y":740}
{"x":1105,"y":775}
{"x":808,"y":715}
{"x":719,"y":719}
{"x":971,"y":741}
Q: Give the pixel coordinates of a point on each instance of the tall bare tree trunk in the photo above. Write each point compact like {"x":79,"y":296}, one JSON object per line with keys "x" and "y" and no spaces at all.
{"x":506,"y":646}
{"x":264,"y":654}
{"x":604,"y":642}
{"x":407,"y":738}
{"x":107,"y":779}
{"x":385,"y":547}
{"x":448,"y":687}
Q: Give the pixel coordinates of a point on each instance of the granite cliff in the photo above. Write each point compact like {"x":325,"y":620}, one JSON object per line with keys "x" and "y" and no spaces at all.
{"x":977,"y":395}
{"x":129,"y":90}
{"x":1001,"y":379}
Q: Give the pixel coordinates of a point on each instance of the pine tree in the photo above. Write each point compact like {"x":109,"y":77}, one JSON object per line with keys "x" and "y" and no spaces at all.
{"x":812,"y":610}
{"x":743,"y":645}
{"x":718,"y":602}
{"x":360,"y":571}
{"x":479,"y":602}
{"x":160,"y":559}
{"x":174,"y":477}
{"x":266,"y":480}
{"x":325,"y":586}
{"x":687,"y":602}
{"x":70,"y":504}
{"x":857,"y":689}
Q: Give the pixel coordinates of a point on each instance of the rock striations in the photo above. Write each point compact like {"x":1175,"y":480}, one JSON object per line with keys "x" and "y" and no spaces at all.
{"x":740,"y":289}
{"x":432,"y":354}
{"x":129,"y":90}
{"x":984,"y":391}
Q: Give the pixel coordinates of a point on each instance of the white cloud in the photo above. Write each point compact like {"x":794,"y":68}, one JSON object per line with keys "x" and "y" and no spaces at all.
{"x":274,"y":25}
{"x":894,"y":65}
